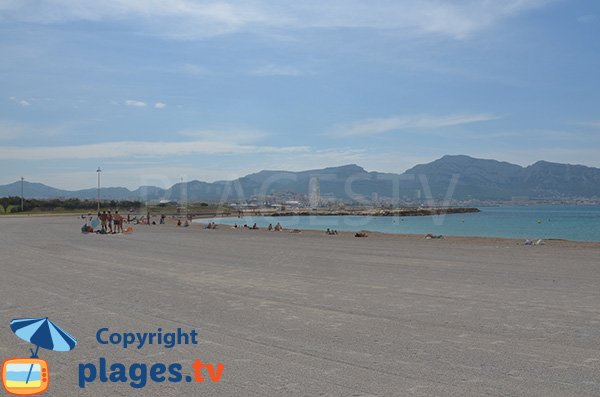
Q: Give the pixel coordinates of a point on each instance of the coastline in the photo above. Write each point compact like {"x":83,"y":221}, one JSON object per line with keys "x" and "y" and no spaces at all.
{"x":198,"y":224}
{"x":479,"y":240}
{"x":516,"y":223}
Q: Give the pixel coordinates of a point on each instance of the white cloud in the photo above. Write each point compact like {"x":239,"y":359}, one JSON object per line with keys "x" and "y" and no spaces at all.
{"x":495,"y":135}
{"x":584,"y":19}
{"x":136,"y":104}
{"x":377,"y":126}
{"x":193,"y":70}
{"x":179,"y":19}
{"x":160,"y":105}
{"x":188,"y":19}
{"x":239,"y":136}
{"x":319,"y":159}
{"x":276,"y":70}
{"x":138,"y":149}
{"x":21,"y":102}
{"x":31,"y":131}
{"x":593,"y":124}
{"x":10,"y":130}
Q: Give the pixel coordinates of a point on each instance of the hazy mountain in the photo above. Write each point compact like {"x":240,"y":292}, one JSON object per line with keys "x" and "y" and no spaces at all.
{"x":463,"y":176}
{"x":477,"y":178}
{"x":554,"y":179}
{"x":41,"y":191}
{"x":32,"y":190}
{"x":491,"y":179}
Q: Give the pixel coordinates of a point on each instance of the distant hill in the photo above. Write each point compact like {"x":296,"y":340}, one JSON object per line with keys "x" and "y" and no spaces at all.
{"x":498,"y":180}
{"x":467,"y":177}
{"x":32,"y":190}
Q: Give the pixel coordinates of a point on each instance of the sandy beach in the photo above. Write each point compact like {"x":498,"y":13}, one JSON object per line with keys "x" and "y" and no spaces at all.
{"x":308,"y":314}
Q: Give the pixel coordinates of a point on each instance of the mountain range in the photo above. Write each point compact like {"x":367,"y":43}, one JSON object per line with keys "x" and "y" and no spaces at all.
{"x":458,"y":177}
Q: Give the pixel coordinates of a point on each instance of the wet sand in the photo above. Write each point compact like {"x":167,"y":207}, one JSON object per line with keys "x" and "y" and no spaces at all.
{"x":310,"y":314}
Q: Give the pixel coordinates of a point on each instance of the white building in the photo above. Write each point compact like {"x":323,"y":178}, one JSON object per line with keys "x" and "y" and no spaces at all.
{"x":314,"y":192}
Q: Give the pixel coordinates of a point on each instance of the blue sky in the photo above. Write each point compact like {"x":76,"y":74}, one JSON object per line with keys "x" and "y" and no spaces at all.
{"x":155,"y":91}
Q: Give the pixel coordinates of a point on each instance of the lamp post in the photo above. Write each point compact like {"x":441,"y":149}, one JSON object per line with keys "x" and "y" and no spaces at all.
{"x":184,"y":197}
{"x":187,"y":201}
{"x":98,"y":171}
{"x":22,"y":179}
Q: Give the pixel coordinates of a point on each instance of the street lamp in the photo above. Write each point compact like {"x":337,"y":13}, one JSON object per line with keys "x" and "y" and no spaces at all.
{"x":98,"y":171}
{"x":184,"y":197}
{"x":22,"y":179}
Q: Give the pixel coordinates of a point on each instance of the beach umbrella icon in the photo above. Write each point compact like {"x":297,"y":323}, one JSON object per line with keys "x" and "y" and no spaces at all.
{"x":42,"y":333}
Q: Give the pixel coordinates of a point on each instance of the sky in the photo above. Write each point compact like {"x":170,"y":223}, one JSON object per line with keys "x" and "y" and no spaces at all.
{"x":155,"y":91}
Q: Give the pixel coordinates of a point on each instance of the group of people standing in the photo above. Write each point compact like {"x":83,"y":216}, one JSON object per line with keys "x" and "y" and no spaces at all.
{"x":111,"y":223}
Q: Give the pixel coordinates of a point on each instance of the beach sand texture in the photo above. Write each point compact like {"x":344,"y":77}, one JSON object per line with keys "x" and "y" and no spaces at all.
{"x":309,"y":314}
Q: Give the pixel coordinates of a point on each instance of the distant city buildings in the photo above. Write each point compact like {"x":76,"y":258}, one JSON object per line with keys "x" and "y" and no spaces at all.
{"x":314,"y":192}
{"x":374,"y":198}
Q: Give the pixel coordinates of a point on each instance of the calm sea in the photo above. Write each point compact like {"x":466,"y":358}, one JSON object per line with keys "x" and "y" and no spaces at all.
{"x":581,"y":223}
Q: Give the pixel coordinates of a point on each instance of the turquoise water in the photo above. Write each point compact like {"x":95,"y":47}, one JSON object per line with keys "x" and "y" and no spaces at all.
{"x":581,"y":223}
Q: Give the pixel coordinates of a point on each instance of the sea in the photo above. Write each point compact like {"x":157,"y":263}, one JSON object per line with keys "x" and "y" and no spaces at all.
{"x":566,"y":222}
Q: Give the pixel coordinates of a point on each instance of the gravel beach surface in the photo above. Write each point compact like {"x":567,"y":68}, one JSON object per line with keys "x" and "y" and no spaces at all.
{"x":306,"y":314}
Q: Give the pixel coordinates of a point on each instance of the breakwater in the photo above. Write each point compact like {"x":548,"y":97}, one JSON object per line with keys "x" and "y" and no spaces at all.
{"x":376,"y":212}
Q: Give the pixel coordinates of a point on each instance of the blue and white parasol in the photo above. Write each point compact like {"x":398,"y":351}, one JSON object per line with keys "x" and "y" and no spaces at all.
{"x":42,"y":333}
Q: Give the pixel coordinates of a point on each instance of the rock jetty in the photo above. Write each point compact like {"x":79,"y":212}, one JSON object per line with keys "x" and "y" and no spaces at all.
{"x":378,"y":212}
